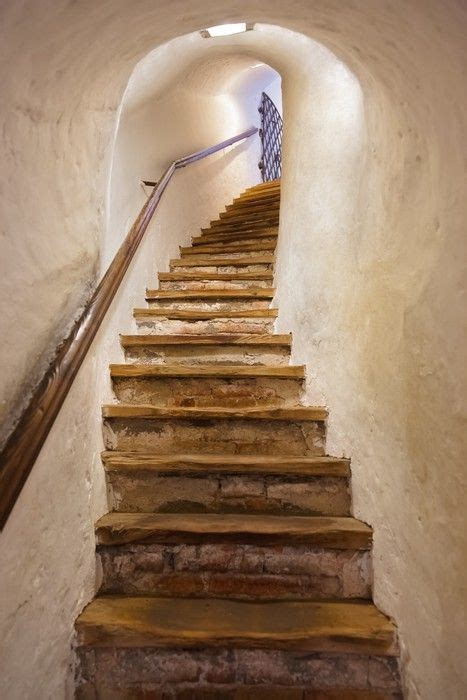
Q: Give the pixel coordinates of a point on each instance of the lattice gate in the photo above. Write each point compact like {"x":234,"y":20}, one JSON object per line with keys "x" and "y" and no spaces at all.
{"x":271,"y":139}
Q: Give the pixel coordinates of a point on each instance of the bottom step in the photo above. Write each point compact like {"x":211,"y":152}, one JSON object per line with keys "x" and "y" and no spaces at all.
{"x":161,"y":649}
{"x":188,"y":691}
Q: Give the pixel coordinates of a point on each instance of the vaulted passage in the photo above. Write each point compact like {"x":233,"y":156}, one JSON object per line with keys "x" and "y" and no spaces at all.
{"x":230,"y":561}
{"x":216,"y":497}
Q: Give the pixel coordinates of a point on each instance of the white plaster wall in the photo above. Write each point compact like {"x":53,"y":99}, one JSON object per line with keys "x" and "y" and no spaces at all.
{"x":371,"y":282}
{"x":372,"y":229}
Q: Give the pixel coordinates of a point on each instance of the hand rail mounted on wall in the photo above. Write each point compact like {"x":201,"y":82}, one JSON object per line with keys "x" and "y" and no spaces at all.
{"x":24,"y":444}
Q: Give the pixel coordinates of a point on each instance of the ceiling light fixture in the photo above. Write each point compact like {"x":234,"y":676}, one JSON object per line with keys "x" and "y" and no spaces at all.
{"x":226,"y":30}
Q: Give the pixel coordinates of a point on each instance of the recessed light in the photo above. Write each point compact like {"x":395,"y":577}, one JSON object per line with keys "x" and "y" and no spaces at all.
{"x":226,"y":30}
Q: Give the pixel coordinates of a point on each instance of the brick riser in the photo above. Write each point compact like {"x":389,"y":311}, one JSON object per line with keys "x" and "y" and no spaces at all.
{"x":202,"y":327}
{"x":141,"y":491}
{"x":249,"y":572}
{"x":214,"y":284}
{"x":172,"y":391}
{"x":214,"y":436}
{"x":229,"y":354}
{"x":235,"y":674}
{"x":221,"y":496}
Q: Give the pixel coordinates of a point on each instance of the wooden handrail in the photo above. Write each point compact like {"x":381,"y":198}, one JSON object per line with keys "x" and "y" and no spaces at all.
{"x":25,"y":442}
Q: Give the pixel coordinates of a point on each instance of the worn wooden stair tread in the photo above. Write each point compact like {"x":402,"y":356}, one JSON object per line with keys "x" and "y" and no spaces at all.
{"x":249,"y":200}
{"x":260,"y":186}
{"x":226,"y":371}
{"x":148,"y":411}
{"x":229,"y":464}
{"x":194,"y":528}
{"x":247,"y":224}
{"x":213,"y":276}
{"x":273,"y":201}
{"x":181,"y":294}
{"x":240,"y":226}
{"x":266,"y":259}
{"x":264,"y":185}
{"x":250,"y":215}
{"x":271,"y":195}
{"x":234,"y":237}
{"x":260,"y":208}
{"x":239,"y":217}
{"x":204,"y":339}
{"x":260,"y":211}
{"x":228,"y":248}
{"x":129,"y":622}
{"x":235,"y":219}
{"x":265,"y":208}
{"x":202,"y":315}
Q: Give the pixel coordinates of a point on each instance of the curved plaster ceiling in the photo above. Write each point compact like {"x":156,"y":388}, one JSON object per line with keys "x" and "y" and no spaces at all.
{"x":211,"y":67}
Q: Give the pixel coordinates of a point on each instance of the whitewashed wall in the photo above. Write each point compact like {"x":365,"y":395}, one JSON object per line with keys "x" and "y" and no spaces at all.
{"x":369,"y":279}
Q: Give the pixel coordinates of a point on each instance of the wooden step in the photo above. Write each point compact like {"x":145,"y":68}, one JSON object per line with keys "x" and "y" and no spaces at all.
{"x":251,"y":214}
{"x":210,"y":371}
{"x":252,"y":204}
{"x":193,"y":315}
{"x":258,"y":191}
{"x":201,"y":250}
{"x":240,"y":691}
{"x":236,"y":211}
{"x":206,"y":321}
{"x":220,"y":339}
{"x":145,"y":411}
{"x":233,"y":299}
{"x":267,"y":202}
{"x":257,"y":200}
{"x":241,"y":226}
{"x":210,"y":294}
{"x":208,"y":348}
{"x":263,"y":187}
{"x":217,"y":238}
{"x":239,"y":205}
{"x":195,"y":528}
{"x":208,"y":384}
{"x":250,"y":236}
{"x":251,"y":199}
{"x":213,"y":276}
{"x":227,"y":464}
{"x":243,"y":218}
{"x":265,"y":259}
{"x":131,"y":622}
{"x":149,"y":482}
{"x":145,"y":427}
{"x":128,"y":341}
{"x":244,"y":225}
{"x":257,"y":196}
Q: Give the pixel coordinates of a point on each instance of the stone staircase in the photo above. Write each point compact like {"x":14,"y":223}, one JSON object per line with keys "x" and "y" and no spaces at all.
{"x":231,"y":566}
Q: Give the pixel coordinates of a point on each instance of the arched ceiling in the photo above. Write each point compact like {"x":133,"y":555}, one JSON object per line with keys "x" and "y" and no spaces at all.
{"x":209,"y":66}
